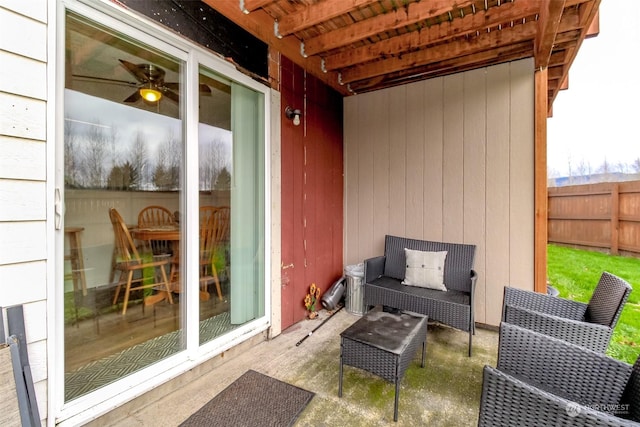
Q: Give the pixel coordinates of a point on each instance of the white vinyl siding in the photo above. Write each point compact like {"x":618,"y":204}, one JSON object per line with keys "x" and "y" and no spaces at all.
{"x":23,"y":125}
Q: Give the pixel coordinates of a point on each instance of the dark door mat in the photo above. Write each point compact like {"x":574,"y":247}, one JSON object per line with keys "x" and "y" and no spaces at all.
{"x":254,"y":399}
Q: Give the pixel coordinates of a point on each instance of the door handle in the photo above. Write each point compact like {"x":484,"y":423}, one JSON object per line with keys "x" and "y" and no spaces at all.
{"x":58,"y":209}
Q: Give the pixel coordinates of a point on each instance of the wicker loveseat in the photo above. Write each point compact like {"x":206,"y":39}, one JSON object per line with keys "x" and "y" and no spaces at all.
{"x":383,"y":276}
{"x":544,"y":381}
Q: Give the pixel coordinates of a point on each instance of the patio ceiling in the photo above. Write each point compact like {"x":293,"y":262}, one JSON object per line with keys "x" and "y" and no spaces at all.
{"x":357,"y":46}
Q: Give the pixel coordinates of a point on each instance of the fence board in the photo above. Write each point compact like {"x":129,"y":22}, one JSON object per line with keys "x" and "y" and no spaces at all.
{"x":605,"y":216}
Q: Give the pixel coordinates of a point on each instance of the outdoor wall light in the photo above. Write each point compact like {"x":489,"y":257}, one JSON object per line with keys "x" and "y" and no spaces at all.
{"x":150,"y":93}
{"x":293,"y":115}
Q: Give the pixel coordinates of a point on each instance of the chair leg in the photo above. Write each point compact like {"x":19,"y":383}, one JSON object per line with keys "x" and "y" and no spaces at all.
{"x":173,"y":275}
{"x":115,"y":297}
{"x":166,"y":284}
{"x":127,"y":292}
{"x":214,"y":270}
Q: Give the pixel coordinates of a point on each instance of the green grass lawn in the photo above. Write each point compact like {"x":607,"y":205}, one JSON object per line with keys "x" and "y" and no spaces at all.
{"x":575,"y":273}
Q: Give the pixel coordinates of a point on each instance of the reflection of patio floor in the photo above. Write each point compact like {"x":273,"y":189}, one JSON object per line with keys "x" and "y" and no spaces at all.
{"x":99,"y":329}
{"x":446,"y":392}
{"x":105,"y":371}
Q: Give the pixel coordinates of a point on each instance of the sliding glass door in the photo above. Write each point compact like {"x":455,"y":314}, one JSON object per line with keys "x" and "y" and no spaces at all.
{"x":123,"y":161}
{"x":131,"y":267}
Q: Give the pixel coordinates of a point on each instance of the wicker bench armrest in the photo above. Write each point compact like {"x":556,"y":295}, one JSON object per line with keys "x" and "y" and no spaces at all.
{"x":507,"y":401}
{"x":568,"y":370}
{"x":373,"y":268}
{"x":544,"y":303}
{"x":474,"y":279}
{"x":593,"y":336}
{"x":472,"y":299}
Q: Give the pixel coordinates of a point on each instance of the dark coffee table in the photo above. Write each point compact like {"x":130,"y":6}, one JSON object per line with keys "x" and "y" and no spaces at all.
{"x":384,"y":344}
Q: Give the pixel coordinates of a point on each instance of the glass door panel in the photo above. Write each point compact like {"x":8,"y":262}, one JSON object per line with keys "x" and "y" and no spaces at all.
{"x":123,"y":162}
{"x":231,"y":194}
{"x":214,"y":169}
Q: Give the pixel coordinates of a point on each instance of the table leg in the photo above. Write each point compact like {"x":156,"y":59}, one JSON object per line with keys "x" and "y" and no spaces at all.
{"x":395,"y":406}
{"x":397,"y":396}
{"x":340,"y":375}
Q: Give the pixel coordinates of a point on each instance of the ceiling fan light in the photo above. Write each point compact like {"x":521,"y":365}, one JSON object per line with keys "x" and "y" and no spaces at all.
{"x":150,"y":94}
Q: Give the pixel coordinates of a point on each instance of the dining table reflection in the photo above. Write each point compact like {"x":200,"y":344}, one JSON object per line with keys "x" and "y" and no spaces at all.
{"x":157,"y":232}
{"x":170,"y":233}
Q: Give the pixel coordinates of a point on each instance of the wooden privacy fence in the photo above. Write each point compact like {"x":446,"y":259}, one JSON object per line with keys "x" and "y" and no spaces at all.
{"x":604,"y":216}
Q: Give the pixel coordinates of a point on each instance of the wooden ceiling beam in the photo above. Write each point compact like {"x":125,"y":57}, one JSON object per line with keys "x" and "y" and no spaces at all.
{"x":451,"y":66}
{"x":557,"y":85}
{"x":548,"y":24}
{"x":555,"y":72}
{"x":565,"y":83}
{"x":564,"y":41}
{"x":414,"y":40}
{"x":558,"y":58}
{"x":507,"y":54}
{"x":484,"y":42}
{"x":399,"y":18}
{"x":260,"y":25}
{"x":571,"y":3}
{"x":594,"y":28}
{"x":247,"y":6}
{"x":553,"y":85}
{"x":318,"y":13}
{"x":570,"y":21}
{"x":432,"y":35}
{"x":587,"y":12}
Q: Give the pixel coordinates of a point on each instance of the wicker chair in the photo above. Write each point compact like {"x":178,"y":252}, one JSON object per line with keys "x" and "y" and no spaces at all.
{"x":589,"y":325}
{"x":507,"y":401}
{"x":544,"y":381}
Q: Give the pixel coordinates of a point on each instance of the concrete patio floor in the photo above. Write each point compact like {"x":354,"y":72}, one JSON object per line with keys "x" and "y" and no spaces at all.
{"x":445,"y":393}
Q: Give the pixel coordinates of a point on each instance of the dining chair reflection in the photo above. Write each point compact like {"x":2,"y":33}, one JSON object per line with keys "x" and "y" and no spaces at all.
{"x":157,"y":216}
{"x":129,"y":261}
{"x":214,"y":233}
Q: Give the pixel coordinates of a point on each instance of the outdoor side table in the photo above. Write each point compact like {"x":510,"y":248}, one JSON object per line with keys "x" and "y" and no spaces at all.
{"x":384,"y":344}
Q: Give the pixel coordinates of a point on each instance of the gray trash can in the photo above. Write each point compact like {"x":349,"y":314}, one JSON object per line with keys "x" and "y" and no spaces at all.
{"x":354,"y":298}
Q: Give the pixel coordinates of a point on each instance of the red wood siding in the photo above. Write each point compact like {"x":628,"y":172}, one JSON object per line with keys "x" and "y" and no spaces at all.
{"x":312,"y":189}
